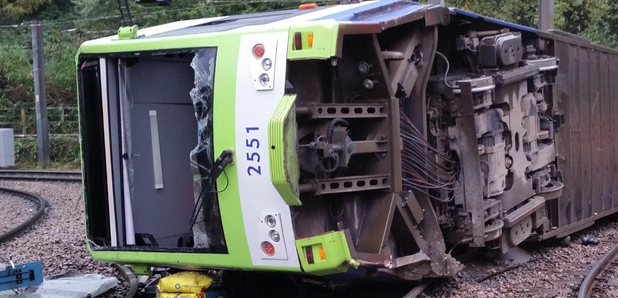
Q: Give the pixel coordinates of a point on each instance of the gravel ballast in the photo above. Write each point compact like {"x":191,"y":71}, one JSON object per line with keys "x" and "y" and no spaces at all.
{"x":13,"y":211}
{"x":58,"y":237}
{"x":554,"y":271}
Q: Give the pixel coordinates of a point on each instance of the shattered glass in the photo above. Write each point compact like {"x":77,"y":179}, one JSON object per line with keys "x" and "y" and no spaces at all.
{"x":207,"y":229}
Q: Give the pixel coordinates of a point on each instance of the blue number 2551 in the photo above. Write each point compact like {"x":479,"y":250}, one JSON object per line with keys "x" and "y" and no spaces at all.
{"x":253,"y":157}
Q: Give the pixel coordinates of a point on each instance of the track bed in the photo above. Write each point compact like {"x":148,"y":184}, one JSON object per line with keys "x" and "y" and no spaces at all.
{"x":56,"y":238}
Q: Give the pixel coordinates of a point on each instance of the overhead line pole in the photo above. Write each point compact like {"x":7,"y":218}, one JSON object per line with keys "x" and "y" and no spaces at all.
{"x":546,"y":14}
{"x":437,"y":2}
{"x":40,"y":94}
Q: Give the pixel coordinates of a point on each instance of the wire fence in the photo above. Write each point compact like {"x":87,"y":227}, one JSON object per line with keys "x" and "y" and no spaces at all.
{"x":61,"y":120}
{"x":62,"y":38}
{"x":156,"y":12}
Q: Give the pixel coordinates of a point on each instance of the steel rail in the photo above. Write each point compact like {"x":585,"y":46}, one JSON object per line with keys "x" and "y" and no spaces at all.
{"x":41,"y":178}
{"x":125,"y":272}
{"x":130,"y":278}
{"x":27,"y":223}
{"x":588,"y":284}
{"x":36,"y":175}
{"x":40,"y":172}
{"x":416,"y":291}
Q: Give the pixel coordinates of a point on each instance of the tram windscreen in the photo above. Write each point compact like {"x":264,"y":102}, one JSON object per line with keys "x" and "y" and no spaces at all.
{"x":155,"y":153}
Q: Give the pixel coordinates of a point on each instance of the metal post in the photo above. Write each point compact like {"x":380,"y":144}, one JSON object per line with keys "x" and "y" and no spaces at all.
{"x":40,"y":95}
{"x":437,"y":2}
{"x":546,"y":14}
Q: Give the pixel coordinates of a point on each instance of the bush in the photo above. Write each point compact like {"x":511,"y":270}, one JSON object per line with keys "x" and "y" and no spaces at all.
{"x":64,"y":152}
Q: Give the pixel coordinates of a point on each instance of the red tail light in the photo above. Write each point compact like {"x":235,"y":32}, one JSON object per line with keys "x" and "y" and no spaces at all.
{"x":298,"y":41}
{"x":258,"y":51}
{"x":309,"y":254}
{"x":268,"y":248}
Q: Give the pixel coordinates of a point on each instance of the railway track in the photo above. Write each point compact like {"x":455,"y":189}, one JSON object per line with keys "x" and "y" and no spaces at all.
{"x":593,"y":280}
{"x":551,"y":269}
{"x":36,"y":199}
{"x":41,"y":204}
{"x":36,"y":175}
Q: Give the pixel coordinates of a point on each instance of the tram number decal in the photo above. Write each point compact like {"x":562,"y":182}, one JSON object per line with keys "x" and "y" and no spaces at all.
{"x":253,"y":157}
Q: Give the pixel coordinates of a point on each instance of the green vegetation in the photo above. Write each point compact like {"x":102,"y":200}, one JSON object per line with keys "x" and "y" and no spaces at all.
{"x":594,"y":19}
{"x":67,"y":23}
{"x":64,"y":152}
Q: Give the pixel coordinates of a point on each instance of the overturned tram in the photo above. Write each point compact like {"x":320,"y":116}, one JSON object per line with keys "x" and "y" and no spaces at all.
{"x":358,"y":140}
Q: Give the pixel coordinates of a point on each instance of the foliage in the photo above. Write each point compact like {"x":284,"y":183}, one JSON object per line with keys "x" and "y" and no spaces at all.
{"x":594,"y":19}
{"x":63,"y":150}
{"x":11,"y":10}
{"x":68,"y":23}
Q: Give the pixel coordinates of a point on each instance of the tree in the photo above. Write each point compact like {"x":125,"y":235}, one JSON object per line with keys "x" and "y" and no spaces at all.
{"x":14,"y":10}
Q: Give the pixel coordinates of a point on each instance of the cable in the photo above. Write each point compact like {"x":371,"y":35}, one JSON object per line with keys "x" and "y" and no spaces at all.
{"x":331,"y":127}
{"x":15,"y":47}
{"x":227,"y":182}
{"x":199,"y":203}
{"x":330,"y":211}
{"x":92,"y":243}
{"x":432,"y":177}
{"x":425,"y":169}
{"x":423,"y":191}
{"x":219,"y":164}
{"x":82,"y":31}
{"x":448,"y":67}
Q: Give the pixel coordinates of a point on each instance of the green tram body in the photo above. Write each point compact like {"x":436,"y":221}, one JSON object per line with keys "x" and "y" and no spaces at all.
{"x":325,"y":173}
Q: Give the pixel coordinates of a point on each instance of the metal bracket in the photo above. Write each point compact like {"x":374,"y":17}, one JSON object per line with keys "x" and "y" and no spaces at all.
{"x":127,"y":32}
{"x":472,"y":183}
{"x":21,"y":275}
{"x":331,"y":111}
{"x":347,"y":184}
{"x":142,"y":269}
